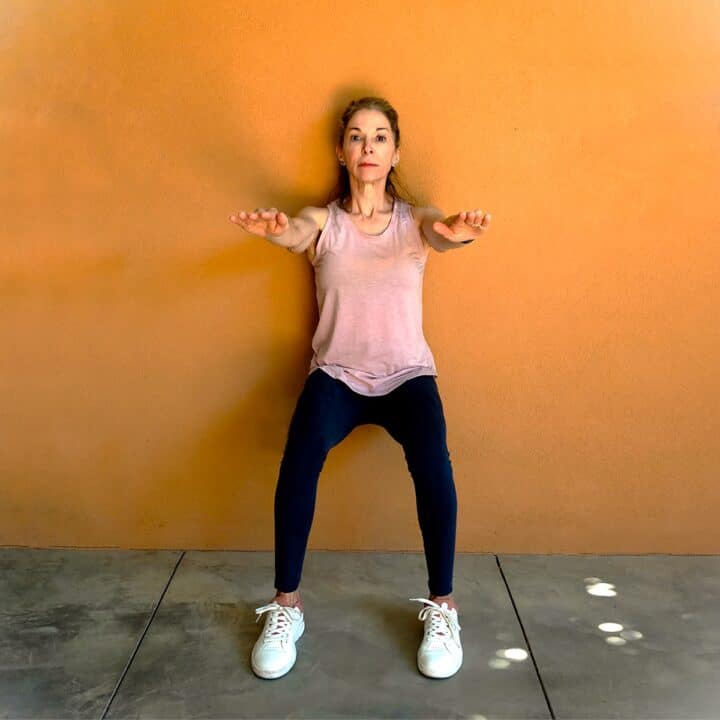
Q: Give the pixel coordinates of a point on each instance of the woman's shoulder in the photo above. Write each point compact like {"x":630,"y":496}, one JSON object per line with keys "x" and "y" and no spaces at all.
{"x":318,"y":215}
{"x":419,"y":213}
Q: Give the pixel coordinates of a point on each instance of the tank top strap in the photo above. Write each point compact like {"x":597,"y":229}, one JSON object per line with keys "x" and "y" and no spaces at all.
{"x":403,"y":209}
{"x":333,"y":212}
{"x":405,"y":214}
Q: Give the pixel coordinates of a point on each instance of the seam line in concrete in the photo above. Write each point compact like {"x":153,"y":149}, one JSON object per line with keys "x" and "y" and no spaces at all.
{"x":527,"y":640}
{"x":142,"y":637}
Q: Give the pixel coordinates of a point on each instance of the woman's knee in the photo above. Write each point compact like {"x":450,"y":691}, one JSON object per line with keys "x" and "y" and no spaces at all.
{"x":427,"y":454}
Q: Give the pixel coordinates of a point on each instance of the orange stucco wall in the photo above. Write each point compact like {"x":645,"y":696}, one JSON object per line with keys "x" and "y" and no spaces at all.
{"x":151,"y":352}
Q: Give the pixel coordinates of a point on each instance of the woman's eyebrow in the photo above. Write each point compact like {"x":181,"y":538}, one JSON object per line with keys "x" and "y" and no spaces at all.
{"x":380,"y":128}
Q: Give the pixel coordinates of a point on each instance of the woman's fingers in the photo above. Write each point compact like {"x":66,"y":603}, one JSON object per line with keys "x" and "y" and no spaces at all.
{"x":478,"y":217}
{"x":475,"y":218}
{"x":262,"y":221}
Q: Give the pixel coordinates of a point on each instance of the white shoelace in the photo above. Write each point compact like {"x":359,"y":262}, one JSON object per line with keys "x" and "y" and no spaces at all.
{"x":279,"y":622}
{"x":442,"y":620}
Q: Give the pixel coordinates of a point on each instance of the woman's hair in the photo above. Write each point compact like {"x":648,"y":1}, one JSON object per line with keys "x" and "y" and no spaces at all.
{"x":393,"y":185}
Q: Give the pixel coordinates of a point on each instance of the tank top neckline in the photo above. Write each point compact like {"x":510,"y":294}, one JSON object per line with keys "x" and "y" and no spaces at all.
{"x":393,"y":215}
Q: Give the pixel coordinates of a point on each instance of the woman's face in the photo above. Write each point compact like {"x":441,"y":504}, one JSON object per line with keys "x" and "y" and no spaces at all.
{"x":369,"y":146}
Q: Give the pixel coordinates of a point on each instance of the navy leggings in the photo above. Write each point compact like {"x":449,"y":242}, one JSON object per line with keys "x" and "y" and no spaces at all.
{"x":326,"y":412}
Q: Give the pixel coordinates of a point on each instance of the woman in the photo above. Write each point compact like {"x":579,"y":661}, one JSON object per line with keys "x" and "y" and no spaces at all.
{"x":371,"y":364}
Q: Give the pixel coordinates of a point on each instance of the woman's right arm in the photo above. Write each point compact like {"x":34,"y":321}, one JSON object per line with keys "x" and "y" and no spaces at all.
{"x":294,"y":234}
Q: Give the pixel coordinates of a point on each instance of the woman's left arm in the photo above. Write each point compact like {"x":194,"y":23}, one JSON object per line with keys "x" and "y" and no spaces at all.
{"x":449,"y":233}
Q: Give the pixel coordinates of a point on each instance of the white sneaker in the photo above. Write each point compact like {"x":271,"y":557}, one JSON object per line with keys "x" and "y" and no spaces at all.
{"x":274,"y":652}
{"x":440,"y":654}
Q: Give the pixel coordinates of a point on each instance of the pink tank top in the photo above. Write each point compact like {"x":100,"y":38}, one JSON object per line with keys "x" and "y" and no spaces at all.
{"x":369,"y":294}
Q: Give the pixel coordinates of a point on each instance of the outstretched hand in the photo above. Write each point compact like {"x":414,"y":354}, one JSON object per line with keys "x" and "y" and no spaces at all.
{"x":464,"y":226}
{"x":263,"y":221}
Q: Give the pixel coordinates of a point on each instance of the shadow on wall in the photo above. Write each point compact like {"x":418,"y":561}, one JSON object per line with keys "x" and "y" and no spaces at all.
{"x":218,"y":481}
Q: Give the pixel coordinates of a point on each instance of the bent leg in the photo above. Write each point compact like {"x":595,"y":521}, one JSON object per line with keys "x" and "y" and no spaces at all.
{"x":325,"y":413}
{"x":414,"y":417}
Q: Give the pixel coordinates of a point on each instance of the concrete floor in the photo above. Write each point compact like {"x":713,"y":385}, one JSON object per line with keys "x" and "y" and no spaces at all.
{"x":168,"y":634}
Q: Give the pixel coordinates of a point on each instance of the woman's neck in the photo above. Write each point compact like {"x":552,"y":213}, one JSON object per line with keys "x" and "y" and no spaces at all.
{"x":369,"y":201}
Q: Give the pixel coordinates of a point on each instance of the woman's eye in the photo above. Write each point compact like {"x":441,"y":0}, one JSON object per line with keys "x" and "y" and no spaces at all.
{"x":379,"y":137}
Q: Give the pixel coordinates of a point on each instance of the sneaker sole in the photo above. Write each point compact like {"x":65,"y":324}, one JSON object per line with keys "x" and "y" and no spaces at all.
{"x":439,"y":676}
